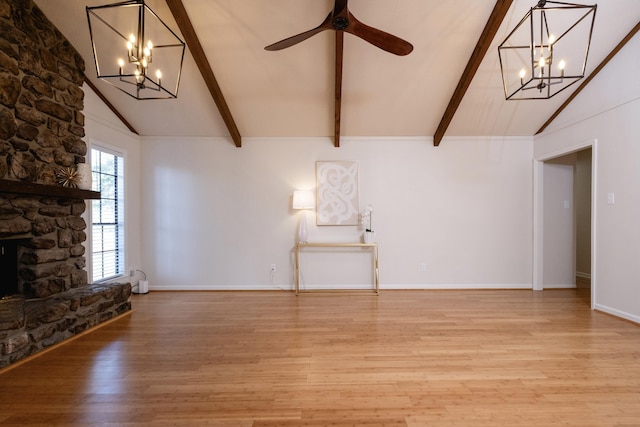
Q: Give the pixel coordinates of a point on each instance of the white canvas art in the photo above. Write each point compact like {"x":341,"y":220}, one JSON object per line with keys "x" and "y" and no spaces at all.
{"x":337,"y":198}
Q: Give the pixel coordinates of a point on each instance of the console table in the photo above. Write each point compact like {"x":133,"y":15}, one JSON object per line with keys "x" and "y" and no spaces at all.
{"x":370,"y":246}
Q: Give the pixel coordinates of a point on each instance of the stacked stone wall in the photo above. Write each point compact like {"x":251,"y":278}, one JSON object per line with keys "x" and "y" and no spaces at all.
{"x":50,"y":250}
{"x":41,"y":99}
{"x":41,"y":131}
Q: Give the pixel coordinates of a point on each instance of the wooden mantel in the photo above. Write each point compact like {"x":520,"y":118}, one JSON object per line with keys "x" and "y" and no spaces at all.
{"x":30,"y":188}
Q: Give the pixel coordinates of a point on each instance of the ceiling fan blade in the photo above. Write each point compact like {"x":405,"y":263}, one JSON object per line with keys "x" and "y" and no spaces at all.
{"x":379,"y":38}
{"x":290,"y":41}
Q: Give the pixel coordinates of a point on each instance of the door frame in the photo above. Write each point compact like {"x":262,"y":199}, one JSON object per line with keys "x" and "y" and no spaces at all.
{"x":538,"y":212}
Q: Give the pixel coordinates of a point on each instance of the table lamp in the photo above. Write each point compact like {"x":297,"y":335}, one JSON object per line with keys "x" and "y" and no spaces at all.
{"x":303,"y":199}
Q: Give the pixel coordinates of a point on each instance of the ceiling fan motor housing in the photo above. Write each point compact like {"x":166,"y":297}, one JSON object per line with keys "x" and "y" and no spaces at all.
{"x":340,"y":23}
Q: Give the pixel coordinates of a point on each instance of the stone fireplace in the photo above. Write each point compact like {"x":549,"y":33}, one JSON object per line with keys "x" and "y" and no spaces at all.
{"x":44,"y":237}
{"x":44,"y":291}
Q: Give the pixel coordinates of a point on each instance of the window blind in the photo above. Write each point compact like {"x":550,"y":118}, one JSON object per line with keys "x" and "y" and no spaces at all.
{"x":107,"y":215}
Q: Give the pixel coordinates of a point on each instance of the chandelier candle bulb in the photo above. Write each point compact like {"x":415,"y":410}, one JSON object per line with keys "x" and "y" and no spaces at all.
{"x":130,"y":44}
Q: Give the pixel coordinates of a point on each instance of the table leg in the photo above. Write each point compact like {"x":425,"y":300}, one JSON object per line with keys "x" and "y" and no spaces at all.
{"x":296,"y":272}
{"x":376,"y":269}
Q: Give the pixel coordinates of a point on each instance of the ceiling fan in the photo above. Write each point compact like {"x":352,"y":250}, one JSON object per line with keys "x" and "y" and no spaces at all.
{"x":340,"y":19}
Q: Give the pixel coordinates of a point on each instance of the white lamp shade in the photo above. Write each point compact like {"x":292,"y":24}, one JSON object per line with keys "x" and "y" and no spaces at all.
{"x":303,"y":199}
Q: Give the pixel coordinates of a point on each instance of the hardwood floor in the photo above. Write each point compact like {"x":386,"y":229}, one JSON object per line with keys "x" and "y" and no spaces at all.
{"x":404,"y":358}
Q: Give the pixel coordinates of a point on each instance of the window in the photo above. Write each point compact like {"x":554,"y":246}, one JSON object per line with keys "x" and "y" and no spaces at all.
{"x":107,"y":215}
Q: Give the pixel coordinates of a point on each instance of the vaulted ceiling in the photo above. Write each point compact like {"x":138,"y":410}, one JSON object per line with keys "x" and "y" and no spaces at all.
{"x":290,"y":93}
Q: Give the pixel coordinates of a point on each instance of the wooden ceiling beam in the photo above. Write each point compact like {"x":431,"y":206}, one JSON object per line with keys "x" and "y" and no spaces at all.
{"x":189,"y":33}
{"x":590,"y":77}
{"x":484,"y":42}
{"x":338,"y":88}
{"x":109,"y":105}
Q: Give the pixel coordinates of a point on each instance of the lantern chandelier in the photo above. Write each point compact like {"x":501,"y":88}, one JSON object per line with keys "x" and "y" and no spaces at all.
{"x":547,"y":51}
{"x":134,"y":50}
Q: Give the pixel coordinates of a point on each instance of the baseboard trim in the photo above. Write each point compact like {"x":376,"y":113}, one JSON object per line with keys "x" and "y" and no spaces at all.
{"x":396,"y":286}
{"x":221,"y":288}
{"x":560,"y":286}
{"x":460,"y":286}
{"x":617,"y":313}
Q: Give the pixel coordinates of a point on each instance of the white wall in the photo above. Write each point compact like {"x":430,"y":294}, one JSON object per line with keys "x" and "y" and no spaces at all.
{"x":217,"y":216}
{"x":103,"y":127}
{"x":206,"y":215}
{"x":583,"y":213}
{"x":613,"y":123}
{"x":559,"y":240}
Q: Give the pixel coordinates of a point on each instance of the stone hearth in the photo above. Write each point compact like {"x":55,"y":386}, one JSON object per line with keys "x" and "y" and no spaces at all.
{"x":29,"y":326}
{"x":53,"y":300}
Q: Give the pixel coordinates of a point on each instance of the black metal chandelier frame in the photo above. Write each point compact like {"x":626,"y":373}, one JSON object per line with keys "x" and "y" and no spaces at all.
{"x":540,"y":76}
{"x":134,"y":74}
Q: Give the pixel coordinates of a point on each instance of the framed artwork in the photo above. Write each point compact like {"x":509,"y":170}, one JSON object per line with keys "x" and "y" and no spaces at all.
{"x":337,"y":199}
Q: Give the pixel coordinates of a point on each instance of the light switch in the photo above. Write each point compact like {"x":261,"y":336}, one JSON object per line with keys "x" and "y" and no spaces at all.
{"x":611,"y":198}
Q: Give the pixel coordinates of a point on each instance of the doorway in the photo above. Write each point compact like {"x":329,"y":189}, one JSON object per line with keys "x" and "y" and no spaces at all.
{"x":564,"y":220}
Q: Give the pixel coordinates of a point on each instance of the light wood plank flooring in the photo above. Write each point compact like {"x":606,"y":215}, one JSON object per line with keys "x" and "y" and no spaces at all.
{"x":404,"y":358}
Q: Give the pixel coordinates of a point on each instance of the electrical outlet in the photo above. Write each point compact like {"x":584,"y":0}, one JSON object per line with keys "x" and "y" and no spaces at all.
{"x":273,"y":267}
{"x":132,"y":272}
{"x":423,"y":266}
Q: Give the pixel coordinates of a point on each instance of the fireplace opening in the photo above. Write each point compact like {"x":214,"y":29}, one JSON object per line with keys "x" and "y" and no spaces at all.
{"x":8,"y":267}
